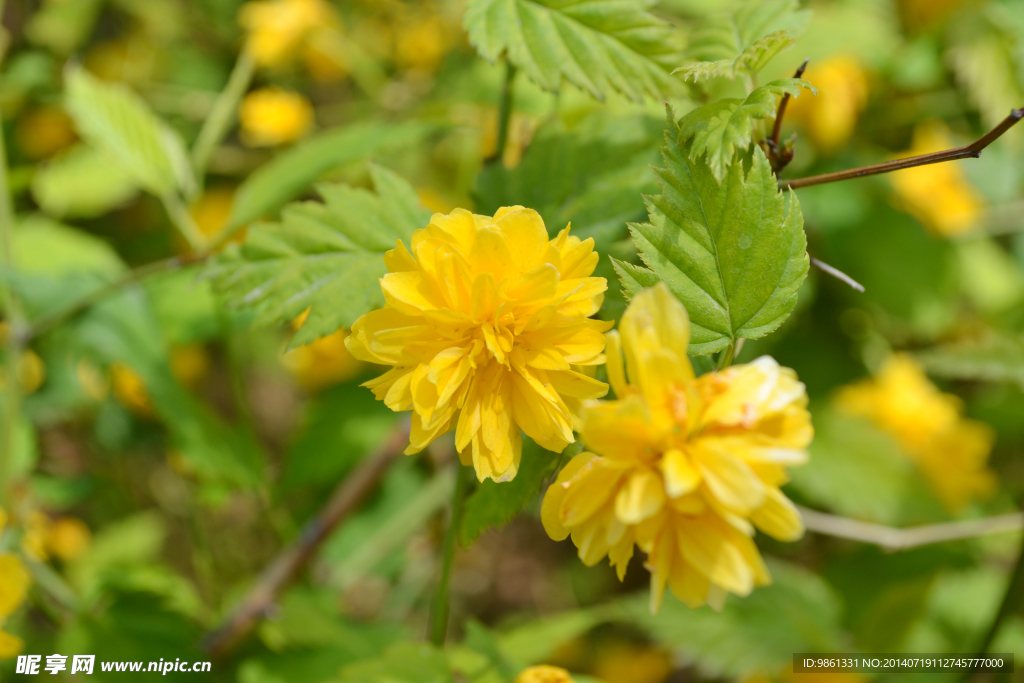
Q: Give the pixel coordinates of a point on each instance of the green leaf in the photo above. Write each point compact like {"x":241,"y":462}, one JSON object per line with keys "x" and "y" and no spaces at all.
{"x":744,"y":40}
{"x":402,"y":663}
{"x":494,"y":504}
{"x":290,"y":173}
{"x":116,"y":121}
{"x":859,"y":471}
{"x":597,"y":45}
{"x":593,"y":175}
{"x":997,"y":358}
{"x":49,"y":249}
{"x":326,"y":257}
{"x":82,"y":183}
{"x":734,"y":253}
{"x":721,"y":129}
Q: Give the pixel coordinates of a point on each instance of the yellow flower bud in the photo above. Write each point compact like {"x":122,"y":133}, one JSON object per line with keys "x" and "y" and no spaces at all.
{"x":44,"y":131}
{"x":189,"y":364}
{"x":10,"y":645}
{"x":130,"y":389}
{"x":544,"y":674}
{"x":68,"y":538}
{"x":273,"y":116}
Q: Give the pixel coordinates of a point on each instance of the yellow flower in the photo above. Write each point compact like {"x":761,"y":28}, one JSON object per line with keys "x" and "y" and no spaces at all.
{"x":212,"y":210}
{"x":950,"y":451}
{"x":421,"y":42}
{"x":68,"y":538}
{"x":938,"y":195}
{"x":622,"y":662}
{"x":31,"y":371}
{"x":684,"y":467}
{"x":189,"y":364}
{"x":10,"y":645}
{"x":831,"y":116}
{"x":14,"y":583}
{"x":277,"y":28}
{"x":544,"y":674}
{"x":130,"y":389}
{"x":272,"y":116}
{"x":486,"y":323}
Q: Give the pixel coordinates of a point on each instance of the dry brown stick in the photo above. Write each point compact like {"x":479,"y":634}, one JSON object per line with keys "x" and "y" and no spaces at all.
{"x":971,"y":151}
{"x":347,"y":496}
{"x":778,"y":162}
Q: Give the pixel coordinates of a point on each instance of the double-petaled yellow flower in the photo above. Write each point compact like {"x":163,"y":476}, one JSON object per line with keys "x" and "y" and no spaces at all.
{"x":684,"y":467}
{"x":487,"y":325}
{"x":278,"y":28}
{"x":950,"y":451}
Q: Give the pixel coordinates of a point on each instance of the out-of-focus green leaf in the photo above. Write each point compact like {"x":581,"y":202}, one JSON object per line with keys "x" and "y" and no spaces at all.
{"x":402,"y":663}
{"x":63,"y":26}
{"x":116,"y":121}
{"x":858,"y":471}
{"x":185,"y":306}
{"x":494,"y":505}
{"x":798,"y":612}
{"x":82,"y":183}
{"x":129,"y":542}
{"x":592,"y":175}
{"x":743,"y":40}
{"x":537,"y":640}
{"x":46,"y":247}
{"x":292,"y":172}
{"x":734,"y":253}
{"x":724,"y":127}
{"x":596,"y":45}
{"x":996,"y":358}
{"x":325,"y":257}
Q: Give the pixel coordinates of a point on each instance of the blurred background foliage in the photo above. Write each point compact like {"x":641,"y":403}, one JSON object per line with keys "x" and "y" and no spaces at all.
{"x":164,"y":450}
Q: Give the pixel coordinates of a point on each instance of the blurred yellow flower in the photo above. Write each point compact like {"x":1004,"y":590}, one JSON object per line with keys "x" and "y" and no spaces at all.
{"x":487,"y":322}
{"x":323,"y":362}
{"x":14,"y":583}
{"x":278,"y":28}
{"x":10,"y":645}
{"x":831,"y":117}
{"x":130,"y":60}
{"x":622,"y":662}
{"x":272,"y":116}
{"x":421,"y":42}
{"x":189,"y":364}
{"x":68,"y":538}
{"x":130,"y":389}
{"x":212,"y":210}
{"x":950,"y":450}
{"x":684,"y":467}
{"x":44,"y":131}
{"x":938,"y":195}
{"x":544,"y":674}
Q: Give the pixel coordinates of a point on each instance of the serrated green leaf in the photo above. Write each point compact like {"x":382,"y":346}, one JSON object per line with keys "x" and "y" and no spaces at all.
{"x":292,"y":172}
{"x":597,"y":45}
{"x":722,"y":128}
{"x":734,"y":254}
{"x":743,"y":40}
{"x":326,"y":257}
{"x":82,"y":183}
{"x":493,"y":504}
{"x":116,"y":121}
{"x":997,"y":358}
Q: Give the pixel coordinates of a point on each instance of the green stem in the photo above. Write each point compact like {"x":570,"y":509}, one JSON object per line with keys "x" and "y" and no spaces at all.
{"x":223,"y":113}
{"x":504,"y":112}
{"x":439,"y":610}
{"x":725,"y":360}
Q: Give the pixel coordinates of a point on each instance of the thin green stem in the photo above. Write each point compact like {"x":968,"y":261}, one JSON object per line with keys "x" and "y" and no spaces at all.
{"x":725,"y":360}
{"x":223,"y":113}
{"x":441,"y":607}
{"x":504,"y":111}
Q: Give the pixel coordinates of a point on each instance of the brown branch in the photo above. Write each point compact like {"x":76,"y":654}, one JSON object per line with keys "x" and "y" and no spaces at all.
{"x":971,"y":151}
{"x":347,"y":496}
{"x":779,"y":158}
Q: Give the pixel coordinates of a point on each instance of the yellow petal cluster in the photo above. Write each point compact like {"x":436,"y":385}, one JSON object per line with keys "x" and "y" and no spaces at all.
{"x":950,"y":450}
{"x":278,"y":28}
{"x":938,"y":195}
{"x":487,"y":325}
{"x":544,"y":674}
{"x":830,"y":118}
{"x":683,"y":467}
{"x":273,"y":116}
{"x":14,"y":583}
